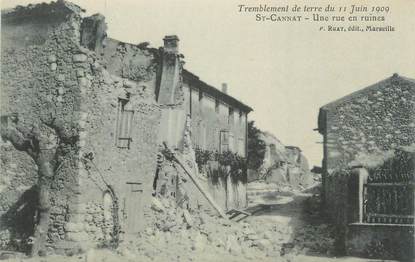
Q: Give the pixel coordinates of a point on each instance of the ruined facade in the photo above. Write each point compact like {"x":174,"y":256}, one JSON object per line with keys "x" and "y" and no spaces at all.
{"x":83,"y":116}
{"x":98,"y":118}
{"x":374,"y":121}
{"x":282,"y":164}
{"x":197,"y":116}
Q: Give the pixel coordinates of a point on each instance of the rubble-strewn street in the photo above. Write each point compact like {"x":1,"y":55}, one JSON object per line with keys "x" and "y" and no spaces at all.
{"x":285,"y":226}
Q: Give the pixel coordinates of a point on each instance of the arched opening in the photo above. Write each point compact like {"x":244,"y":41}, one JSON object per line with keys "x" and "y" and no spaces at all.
{"x":110,"y":219}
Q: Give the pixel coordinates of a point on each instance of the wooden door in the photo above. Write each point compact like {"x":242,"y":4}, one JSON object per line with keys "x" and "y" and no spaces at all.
{"x":134,"y":208}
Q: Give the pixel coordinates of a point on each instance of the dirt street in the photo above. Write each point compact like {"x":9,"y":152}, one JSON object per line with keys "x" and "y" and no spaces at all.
{"x":285,"y":226}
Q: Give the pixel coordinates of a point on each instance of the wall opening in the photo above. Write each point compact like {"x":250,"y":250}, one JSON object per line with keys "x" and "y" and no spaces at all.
{"x":111,"y":222}
{"x":124,"y":124}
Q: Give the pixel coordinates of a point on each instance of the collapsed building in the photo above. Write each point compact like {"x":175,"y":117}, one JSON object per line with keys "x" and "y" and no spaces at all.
{"x":282,"y":164}
{"x":369,"y":168}
{"x":82,"y":120}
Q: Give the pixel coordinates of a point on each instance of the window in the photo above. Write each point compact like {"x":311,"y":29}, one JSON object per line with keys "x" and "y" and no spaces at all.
{"x":227,"y":142}
{"x":224,"y":141}
{"x":241,"y":147}
{"x":243,"y":119}
{"x":202,"y":137}
{"x":231,"y":143}
{"x":200,"y":98}
{"x":216,"y":106}
{"x":236,"y":117}
{"x":124,"y":124}
{"x":230,"y":116}
{"x":200,"y":95}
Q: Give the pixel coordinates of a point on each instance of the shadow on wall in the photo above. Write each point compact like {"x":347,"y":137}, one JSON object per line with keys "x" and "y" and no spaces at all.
{"x":19,"y":220}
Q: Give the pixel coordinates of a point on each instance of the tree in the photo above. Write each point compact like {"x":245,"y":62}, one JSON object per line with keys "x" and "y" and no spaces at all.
{"x":44,"y":141}
{"x":256,"y":147}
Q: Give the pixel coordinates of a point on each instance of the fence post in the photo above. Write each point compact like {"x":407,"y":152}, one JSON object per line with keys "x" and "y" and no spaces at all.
{"x":363,"y":174}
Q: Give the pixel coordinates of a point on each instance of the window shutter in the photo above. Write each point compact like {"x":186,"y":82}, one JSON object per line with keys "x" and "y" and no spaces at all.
{"x":224,"y":141}
{"x":241,"y":147}
{"x":124,"y":125}
{"x":231,"y":143}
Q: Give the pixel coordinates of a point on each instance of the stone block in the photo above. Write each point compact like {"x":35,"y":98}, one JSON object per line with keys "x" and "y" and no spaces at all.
{"x":74,"y":227}
{"x":61,"y":91}
{"x":82,"y":81}
{"x":56,"y":210}
{"x":129,"y":84}
{"x":263,"y":244}
{"x":80,"y":72}
{"x":79,"y":58}
{"x":157,"y":205}
{"x":77,"y":236}
{"x":60,"y":78}
{"x":51,"y":58}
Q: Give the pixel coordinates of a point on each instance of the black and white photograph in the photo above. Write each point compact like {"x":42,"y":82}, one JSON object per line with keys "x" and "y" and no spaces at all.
{"x":190,"y":130}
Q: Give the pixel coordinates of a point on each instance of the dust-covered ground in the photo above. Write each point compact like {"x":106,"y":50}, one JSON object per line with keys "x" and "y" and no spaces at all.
{"x":285,"y":226}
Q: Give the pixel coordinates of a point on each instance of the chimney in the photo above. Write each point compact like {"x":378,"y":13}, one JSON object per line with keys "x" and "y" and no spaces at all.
{"x":224,"y":88}
{"x":171,"y":44}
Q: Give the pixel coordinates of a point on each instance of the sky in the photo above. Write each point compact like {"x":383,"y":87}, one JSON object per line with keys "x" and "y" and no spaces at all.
{"x":284,"y":71}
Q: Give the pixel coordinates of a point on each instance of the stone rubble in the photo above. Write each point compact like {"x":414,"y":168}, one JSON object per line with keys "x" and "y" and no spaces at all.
{"x":182,"y":235}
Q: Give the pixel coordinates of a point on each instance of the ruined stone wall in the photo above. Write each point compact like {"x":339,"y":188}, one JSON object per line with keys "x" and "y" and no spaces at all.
{"x":17,"y":181}
{"x":99,"y":189}
{"x":282,"y":164}
{"x":131,"y":73}
{"x":170,"y":94}
{"x":40,"y":86}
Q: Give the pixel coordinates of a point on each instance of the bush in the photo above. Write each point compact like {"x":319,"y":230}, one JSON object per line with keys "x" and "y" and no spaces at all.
{"x":237,"y":163}
{"x":256,"y":147}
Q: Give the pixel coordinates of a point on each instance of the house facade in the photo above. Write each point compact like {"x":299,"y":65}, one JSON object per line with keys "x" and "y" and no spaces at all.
{"x":363,"y":132}
{"x":82,"y":118}
{"x":219,"y":121}
{"x":219,"y":126}
{"x":208,"y":119}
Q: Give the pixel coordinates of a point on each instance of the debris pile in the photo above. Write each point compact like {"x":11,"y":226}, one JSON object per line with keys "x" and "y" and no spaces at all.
{"x":285,"y":165}
{"x":198,"y":236}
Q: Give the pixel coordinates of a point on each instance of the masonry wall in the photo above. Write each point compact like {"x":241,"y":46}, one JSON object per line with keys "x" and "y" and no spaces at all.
{"x":40,"y":87}
{"x":99,"y":190}
{"x":376,"y":119}
{"x":126,"y":174}
{"x":17,"y":188}
{"x":388,"y":242}
{"x":379,"y":119}
{"x":209,"y":121}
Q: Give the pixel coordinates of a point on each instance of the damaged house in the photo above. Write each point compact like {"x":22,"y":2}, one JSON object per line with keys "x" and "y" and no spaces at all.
{"x":214,"y":125}
{"x":369,"y":168}
{"x":82,"y":120}
{"x":282,"y":164}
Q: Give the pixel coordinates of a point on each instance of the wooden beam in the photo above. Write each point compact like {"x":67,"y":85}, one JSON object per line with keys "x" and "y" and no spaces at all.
{"x":197,"y":184}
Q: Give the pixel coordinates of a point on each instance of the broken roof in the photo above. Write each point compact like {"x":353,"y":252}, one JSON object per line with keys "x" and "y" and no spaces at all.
{"x":57,"y":7}
{"x":187,"y":75}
